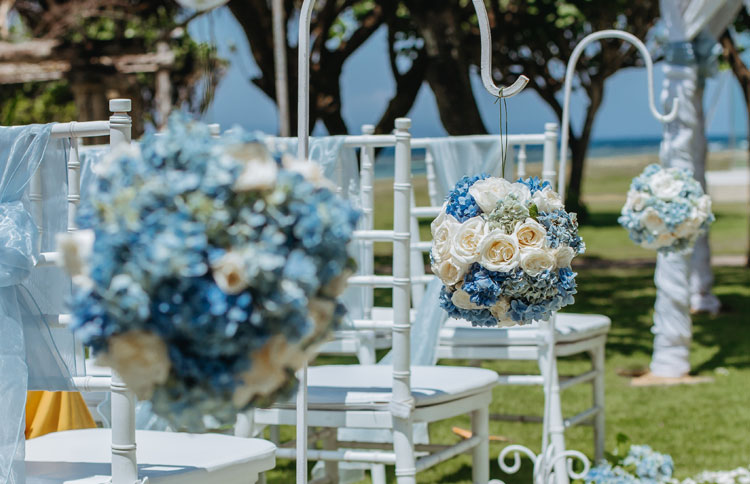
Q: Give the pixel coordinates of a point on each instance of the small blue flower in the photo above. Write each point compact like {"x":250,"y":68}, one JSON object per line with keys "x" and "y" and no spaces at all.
{"x":534,"y":184}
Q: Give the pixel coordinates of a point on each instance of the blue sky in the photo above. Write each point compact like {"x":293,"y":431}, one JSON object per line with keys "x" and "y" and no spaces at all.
{"x":367,"y":85}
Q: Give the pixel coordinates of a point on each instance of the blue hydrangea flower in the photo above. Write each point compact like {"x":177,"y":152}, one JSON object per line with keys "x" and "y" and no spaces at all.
{"x":671,"y":220}
{"x":460,"y":203}
{"x":163,"y":217}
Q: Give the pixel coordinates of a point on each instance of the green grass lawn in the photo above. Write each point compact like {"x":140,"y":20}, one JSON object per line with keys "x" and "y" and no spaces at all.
{"x":703,"y":427}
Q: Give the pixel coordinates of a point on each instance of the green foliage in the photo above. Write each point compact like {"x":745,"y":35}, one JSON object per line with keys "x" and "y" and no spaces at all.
{"x":33,"y":102}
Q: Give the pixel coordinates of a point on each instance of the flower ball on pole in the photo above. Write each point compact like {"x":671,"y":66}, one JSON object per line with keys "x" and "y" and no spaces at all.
{"x":503,"y":251}
{"x":208,"y":270}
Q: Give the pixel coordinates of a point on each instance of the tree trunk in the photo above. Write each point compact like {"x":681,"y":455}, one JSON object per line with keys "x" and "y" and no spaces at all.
{"x":447,"y":71}
{"x":742,"y":73}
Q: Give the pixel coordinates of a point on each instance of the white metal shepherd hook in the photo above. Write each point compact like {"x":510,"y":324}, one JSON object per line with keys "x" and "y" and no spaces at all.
{"x":303,"y":91}
{"x":303,"y":134}
{"x":570,"y":73}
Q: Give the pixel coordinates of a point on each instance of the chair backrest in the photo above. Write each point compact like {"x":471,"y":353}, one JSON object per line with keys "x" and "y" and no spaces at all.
{"x":399,"y":281}
{"x":118,"y":128}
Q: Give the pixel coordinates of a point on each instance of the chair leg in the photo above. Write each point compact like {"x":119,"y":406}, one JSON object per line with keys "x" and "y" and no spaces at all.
{"x":377,"y":474}
{"x":403,"y":447}
{"x":597,"y":360}
{"x":553,"y":417}
{"x":480,"y":469}
{"x":330,"y":442}
{"x":366,"y":348}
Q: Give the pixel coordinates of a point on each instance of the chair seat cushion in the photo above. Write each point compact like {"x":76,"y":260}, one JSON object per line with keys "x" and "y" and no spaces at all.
{"x":368,"y":387}
{"x":84,"y":456}
{"x":570,"y":327}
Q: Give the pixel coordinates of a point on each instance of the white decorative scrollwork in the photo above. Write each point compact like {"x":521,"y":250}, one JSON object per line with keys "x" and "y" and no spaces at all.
{"x":544,"y":463}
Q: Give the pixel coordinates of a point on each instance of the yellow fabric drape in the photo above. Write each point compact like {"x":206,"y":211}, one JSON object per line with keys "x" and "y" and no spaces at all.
{"x":48,"y":412}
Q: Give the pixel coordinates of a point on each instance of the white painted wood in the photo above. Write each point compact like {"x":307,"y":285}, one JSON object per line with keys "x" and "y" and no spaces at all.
{"x":521,"y":167}
{"x":568,"y":88}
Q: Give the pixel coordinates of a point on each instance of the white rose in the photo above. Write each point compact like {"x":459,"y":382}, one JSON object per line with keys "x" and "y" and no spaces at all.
{"x":636,"y":200}
{"x":688,"y":227}
{"x":489,"y":191}
{"x":260,"y":168}
{"x":140,"y":358}
{"x":75,"y":248}
{"x":664,"y":185}
{"x":665,"y":239}
{"x":444,"y":228}
{"x":499,"y":252}
{"x":547,"y":200}
{"x":461,"y":299}
{"x":309,"y":170}
{"x":530,"y":233}
{"x":652,"y":221}
{"x":499,"y":311}
{"x":536,"y":261}
{"x":704,"y":207}
{"x":466,"y":239}
{"x":563,"y":256}
{"x":230,"y":273}
{"x":521,"y":191}
{"x":449,"y":271}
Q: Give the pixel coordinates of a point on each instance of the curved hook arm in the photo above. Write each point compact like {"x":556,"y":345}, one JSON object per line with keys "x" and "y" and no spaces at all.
{"x":570,"y":72}
{"x":486,"y":57}
{"x":303,"y":71}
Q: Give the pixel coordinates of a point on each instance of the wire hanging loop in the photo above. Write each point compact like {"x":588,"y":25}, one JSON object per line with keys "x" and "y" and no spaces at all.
{"x":570,"y":73}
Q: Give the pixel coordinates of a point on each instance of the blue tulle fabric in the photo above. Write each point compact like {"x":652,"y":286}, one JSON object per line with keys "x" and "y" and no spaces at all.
{"x":31,"y":356}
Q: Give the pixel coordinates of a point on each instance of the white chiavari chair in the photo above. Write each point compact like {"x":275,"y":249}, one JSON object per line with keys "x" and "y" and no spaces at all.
{"x":574,"y":333}
{"x":392,"y":397}
{"x":111,"y":455}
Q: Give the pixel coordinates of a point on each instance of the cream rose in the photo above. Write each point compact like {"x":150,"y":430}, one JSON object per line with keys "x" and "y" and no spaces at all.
{"x":444,"y":228}
{"x":665,"y":239}
{"x":547,"y":200}
{"x":688,"y":227}
{"x":704,"y":207}
{"x":75,"y":248}
{"x":230,"y":273}
{"x":664,"y":185}
{"x":536,"y":261}
{"x":141,"y":359}
{"x":530,"y":233}
{"x":563,"y":256}
{"x":260,"y":168}
{"x":521,"y":191}
{"x":500,"y":309}
{"x":465,"y":243}
{"x":309,"y":170}
{"x":636,"y":200}
{"x":449,"y":271}
{"x":489,"y":191}
{"x":499,"y":252}
{"x":461,"y":299}
{"x":652,"y":221}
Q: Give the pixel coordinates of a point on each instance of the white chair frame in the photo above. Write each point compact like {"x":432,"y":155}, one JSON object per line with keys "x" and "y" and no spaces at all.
{"x":401,"y":413}
{"x":124,"y":468}
{"x":545,"y":350}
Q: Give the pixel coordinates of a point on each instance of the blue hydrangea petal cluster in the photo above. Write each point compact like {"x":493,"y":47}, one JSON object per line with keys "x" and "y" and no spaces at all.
{"x":642,"y":465}
{"x":666,"y":209}
{"x":534,"y":184}
{"x":163,"y":216}
{"x":460,"y":203}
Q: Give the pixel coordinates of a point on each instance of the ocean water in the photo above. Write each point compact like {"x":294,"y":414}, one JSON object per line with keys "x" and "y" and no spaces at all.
{"x":598,"y":149}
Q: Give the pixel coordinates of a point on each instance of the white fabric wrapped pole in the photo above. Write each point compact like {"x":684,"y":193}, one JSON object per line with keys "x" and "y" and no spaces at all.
{"x":684,"y":145}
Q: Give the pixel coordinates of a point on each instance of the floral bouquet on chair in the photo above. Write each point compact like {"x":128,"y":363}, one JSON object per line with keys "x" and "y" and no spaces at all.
{"x":666,"y":209}
{"x":503,"y":251}
{"x":209,"y":271}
